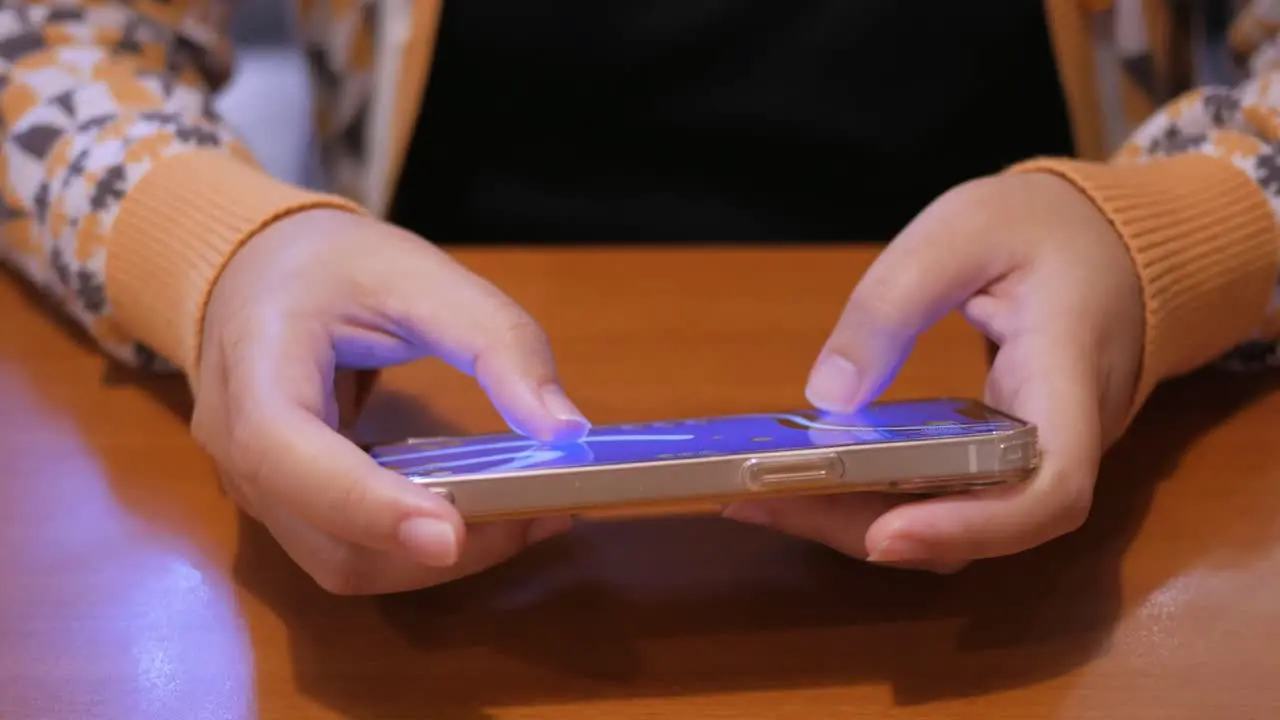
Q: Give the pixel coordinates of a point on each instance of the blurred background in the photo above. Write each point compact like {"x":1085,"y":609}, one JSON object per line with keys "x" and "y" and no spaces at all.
{"x":268,"y":98}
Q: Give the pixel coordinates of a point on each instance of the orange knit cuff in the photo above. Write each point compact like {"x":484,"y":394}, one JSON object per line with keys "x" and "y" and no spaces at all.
{"x":1203,"y":239}
{"x":176,"y":231}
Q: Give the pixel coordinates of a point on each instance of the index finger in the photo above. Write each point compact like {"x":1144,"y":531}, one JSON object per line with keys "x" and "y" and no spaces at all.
{"x":936,"y":263}
{"x":294,"y":459}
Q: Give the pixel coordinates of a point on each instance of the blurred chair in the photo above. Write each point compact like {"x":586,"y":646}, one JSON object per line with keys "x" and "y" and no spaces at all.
{"x":1157,"y":50}
{"x":269,"y":98}
{"x":259,"y":23}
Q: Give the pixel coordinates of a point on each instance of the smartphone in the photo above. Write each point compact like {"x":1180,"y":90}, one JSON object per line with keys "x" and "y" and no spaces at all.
{"x":691,"y":465}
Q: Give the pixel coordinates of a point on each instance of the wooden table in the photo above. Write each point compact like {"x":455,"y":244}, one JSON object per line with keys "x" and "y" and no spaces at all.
{"x":130,"y":588}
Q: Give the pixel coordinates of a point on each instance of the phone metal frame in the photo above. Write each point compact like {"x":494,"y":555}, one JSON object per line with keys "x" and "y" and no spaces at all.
{"x":673,"y":486}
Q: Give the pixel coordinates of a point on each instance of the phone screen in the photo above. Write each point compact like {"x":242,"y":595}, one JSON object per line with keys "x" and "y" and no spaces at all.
{"x":695,"y":438}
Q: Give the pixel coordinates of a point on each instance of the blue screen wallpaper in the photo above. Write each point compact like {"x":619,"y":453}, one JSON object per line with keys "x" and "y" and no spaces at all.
{"x":693,"y":438}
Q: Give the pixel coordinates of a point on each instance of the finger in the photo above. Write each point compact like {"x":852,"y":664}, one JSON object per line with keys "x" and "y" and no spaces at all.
{"x":491,"y":543}
{"x":298,"y":461}
{"x":1044,"y":379}
{"x":838,"y":521}
{"x":286,"y":456}
{"x":328,"y":482}
{"x":466,"y":321}
{"x":518,"y":374}
{"x":937,"y":262}
{"x":344,"y":568}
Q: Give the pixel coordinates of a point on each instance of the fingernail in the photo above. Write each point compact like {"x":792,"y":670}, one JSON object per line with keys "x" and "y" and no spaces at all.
{"x":898,"y":551}
{"x":547,"y":528}
{"x":833,"y":384}
{"x":749,"y":513}
{"x":560,"y":406}
{"x":430,"y":541}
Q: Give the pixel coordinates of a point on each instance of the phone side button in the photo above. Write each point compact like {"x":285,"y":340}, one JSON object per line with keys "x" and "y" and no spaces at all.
{"x":441,"y":492}
{"x":808,"y":471}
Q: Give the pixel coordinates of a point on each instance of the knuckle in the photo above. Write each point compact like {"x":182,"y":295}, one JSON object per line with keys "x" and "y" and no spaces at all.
{"x":383,"y":298}
{"x":243,"y":495}
{"x":351,"y":500}
{"x":1074,"y":514}
{"x":234,"y":462}
{"x":1071,"y":509}
{"x":1065,"y":501}
{"x":874,"y":304}
{"x":517,"y":328}
{"x":244,"y":489}
{"x":245,"y":461}
{"x":513,"y":333}
{"x":244,"y":452}
{"x":339,"y":569}
{"x":343,"y":577}
{"x":337,"y":566}
{"x":358,"y":571}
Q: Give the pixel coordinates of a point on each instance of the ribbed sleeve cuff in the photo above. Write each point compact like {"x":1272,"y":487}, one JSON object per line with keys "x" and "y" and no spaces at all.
{"x":176,"y":231}
{"x":1203,"y":239}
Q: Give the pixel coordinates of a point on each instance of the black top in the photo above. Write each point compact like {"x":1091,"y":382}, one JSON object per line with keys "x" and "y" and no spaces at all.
{"x":709,"y":120}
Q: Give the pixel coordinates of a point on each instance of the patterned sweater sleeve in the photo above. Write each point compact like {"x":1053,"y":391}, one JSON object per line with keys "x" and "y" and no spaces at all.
{"x":105,"y":105}
{"x":1194,"y":193}
{"x":1238,"y":124}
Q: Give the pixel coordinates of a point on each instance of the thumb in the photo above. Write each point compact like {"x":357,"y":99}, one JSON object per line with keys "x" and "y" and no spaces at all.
{"x":927,"y":271}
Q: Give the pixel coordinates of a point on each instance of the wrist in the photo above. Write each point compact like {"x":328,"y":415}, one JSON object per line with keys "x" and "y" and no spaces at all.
{"x":174,"y":236}
{"x":1202,"y":238}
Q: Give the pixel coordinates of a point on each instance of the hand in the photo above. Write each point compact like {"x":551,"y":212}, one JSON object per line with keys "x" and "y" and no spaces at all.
{"x":1037,"y":268}
{"x":323,"y":290}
